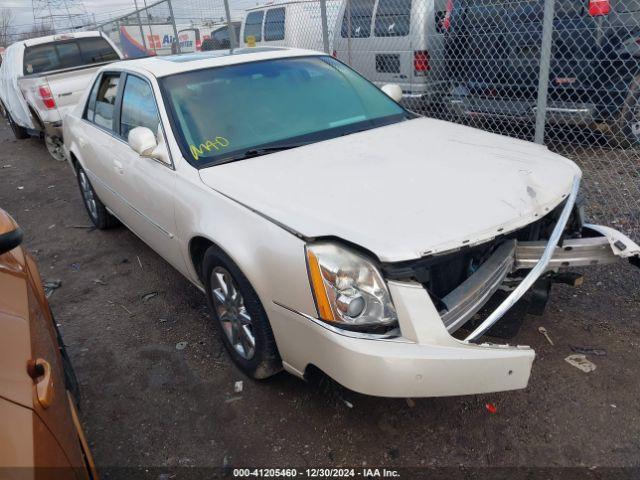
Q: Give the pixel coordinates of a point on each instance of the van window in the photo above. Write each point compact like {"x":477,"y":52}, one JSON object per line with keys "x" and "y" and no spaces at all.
{"x":106,"y":100}
{"x":358,"y":24}
{"x":253,"y":25}
{"x":138,"y":107}
{"x":274,"y":24}
{"x":220,"y":39}
{"x":393,"y":18}
{"x":68,"y":54}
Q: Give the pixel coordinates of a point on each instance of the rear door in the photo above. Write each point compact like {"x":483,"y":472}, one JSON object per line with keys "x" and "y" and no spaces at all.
{"x":96,"y":137}
{"x":392,"y":53}
{"x":355,"y":37}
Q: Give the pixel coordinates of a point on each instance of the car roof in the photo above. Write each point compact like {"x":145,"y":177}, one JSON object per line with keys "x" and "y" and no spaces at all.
{"x":162,"y":66}
{"x":60,"y":37}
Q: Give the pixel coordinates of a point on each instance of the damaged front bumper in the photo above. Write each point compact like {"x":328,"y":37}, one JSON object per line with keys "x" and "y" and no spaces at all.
{"x":425,"y":359}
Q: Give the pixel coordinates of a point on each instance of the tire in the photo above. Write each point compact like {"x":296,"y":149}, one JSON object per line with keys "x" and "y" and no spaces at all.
{"x":19,"y":132}
{"x":96,"y":210}
{"x":626,"y":129}
{"x":244,"y":314}
{"x":54,"y":147}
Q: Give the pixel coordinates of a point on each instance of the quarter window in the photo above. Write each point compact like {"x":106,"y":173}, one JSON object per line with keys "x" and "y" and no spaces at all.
{"x":138,"y":107}
{"x":106,"y":100}
{"x":253,"y":26}
{"x":356,"y":22}
{"x":274,"y":24}
{"x":393,"y":18}
{"x":91,"y":106}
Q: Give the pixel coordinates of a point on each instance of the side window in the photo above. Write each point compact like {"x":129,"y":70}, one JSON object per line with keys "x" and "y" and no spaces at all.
{"x":138,"y":107}
{"x":356,"y":22}
{"x":90,"y":112}
{"x":274,"y":24}
{"x":96,"y":50}
{"x":393,"y":18}
{"x":221,"y":38}
{"x":106,"y":100}
{"x":253,"y":25}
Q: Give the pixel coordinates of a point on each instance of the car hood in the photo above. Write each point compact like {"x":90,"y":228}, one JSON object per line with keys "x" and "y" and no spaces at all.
{"x":402,"y":191}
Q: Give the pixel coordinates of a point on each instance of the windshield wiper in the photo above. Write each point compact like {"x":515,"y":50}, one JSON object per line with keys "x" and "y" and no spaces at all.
{"x":256,"y":152}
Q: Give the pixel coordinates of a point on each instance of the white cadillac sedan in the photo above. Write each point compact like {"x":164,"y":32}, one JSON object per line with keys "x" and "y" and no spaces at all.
{"x":329,"y":227}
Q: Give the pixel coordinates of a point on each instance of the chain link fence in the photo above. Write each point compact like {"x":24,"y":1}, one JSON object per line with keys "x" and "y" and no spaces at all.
{"x":565,"y":73}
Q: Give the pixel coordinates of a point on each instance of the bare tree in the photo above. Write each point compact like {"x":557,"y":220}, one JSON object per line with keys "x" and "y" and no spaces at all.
{"x":6,"y":20}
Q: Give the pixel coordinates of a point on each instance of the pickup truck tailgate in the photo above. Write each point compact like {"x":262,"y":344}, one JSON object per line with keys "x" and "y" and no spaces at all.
{"x":68,"y":87}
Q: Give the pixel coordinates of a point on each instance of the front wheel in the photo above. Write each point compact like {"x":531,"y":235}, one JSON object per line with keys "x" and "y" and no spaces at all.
{"x":240,"y":317}
{"x":98,"y":213}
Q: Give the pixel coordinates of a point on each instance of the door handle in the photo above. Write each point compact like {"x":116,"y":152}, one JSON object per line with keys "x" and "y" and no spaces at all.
{"x":118,"y":167}
{"x":82,"y":141}
{"x":40,"y":371}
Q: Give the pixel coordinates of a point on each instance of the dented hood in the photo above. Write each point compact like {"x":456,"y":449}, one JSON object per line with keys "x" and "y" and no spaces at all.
{"x":402,"y":191}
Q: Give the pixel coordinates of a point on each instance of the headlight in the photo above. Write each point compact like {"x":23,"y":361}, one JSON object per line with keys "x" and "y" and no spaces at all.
{"x":348,"y":289}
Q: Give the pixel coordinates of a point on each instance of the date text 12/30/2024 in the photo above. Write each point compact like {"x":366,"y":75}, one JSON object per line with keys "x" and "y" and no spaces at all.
{"x":315,"y":473}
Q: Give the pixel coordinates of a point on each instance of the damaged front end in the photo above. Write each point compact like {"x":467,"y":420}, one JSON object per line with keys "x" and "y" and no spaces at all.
{"x":475,"y":286}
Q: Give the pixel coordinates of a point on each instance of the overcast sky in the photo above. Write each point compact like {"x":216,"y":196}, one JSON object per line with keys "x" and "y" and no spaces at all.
{"x":106,"y":9}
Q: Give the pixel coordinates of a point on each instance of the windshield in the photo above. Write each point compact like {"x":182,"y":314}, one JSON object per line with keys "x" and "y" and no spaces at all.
{"x":240,"y":111}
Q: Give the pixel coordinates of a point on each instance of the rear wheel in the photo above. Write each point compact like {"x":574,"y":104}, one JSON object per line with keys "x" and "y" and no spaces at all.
{"x":19,"y":132}
{"x":98,"y":213}
{"x":54,"y":147}
{"x":627,"y":128}
{"x":240,"y":317}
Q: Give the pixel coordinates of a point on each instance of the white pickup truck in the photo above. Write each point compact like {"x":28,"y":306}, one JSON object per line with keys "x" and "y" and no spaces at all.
{"x":41,"y":79}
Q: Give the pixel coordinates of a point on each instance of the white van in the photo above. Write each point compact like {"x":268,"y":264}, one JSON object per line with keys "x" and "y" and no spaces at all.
{"x":396,"y":41}
{"x":291,"y":24}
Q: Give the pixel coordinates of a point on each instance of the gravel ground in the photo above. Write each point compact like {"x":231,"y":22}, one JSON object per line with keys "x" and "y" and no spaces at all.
{"x":147,"y":404}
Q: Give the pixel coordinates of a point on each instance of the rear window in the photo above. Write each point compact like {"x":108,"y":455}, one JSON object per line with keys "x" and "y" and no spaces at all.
{"x":68,"y":54}
{"x":393,"y":18}
{"x":356,"y":22}
{"x":253,"y":26}
{"x":274,"y":24}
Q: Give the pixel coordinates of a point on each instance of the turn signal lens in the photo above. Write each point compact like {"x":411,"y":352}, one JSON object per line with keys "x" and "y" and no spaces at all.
{"x":348,"y":288}
{"x":319,"y":292}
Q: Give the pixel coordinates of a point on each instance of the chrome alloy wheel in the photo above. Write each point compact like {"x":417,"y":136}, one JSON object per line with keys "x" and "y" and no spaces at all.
{"x":88,"y":195}
{"x":232,"y":313}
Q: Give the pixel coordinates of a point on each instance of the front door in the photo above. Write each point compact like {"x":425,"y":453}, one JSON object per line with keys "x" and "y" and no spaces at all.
{"x":145,"y":184}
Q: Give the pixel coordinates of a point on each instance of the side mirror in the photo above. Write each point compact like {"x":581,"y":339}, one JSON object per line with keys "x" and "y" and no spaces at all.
{"x":142,"y":141}
{"x":10,"y":233}
{"x":393,"y":90}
